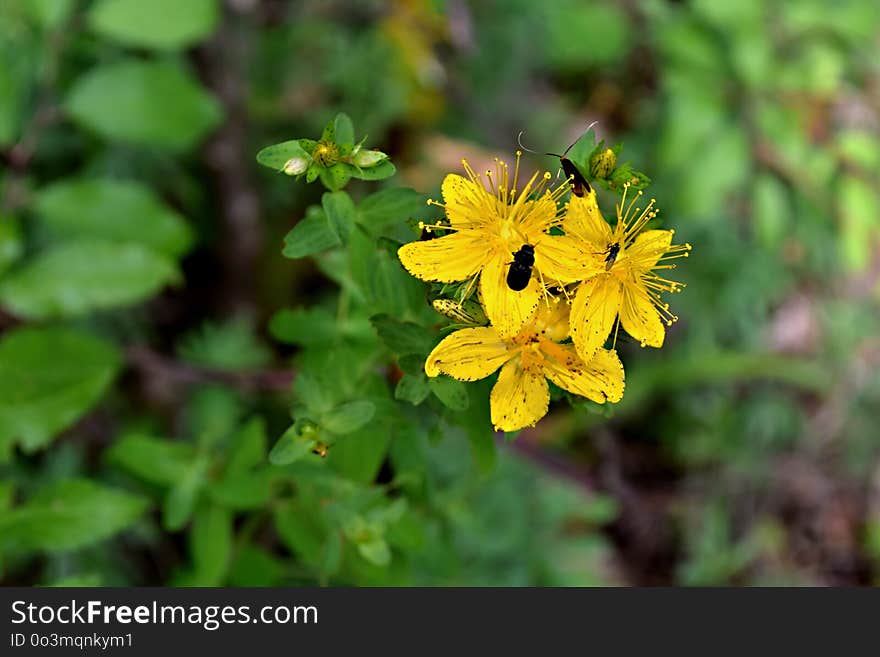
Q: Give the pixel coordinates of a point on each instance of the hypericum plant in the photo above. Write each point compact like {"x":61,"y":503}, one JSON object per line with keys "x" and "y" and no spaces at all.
{"x":529,"y":277}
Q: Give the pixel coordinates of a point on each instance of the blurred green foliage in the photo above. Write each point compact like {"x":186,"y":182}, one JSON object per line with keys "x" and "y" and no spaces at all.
{"x":149,"y":429}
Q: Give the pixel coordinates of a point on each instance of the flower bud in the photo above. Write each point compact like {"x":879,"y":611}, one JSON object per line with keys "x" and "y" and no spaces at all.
{"x":367,"y":159}
{"x":603,"y":163}
{"x":295,"y":166}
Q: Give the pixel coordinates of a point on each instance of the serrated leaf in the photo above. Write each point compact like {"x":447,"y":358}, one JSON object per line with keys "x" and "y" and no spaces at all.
{"x":311,"y":235}
{"x":348,"y":417}
{"x":75,"y":278}
{"x":69,"y":514}
{"x":277,"y":155}
{"x":156,"y":460}
{"x":452,"y":393}
{"x":389,"y":206}
{"x":143,"y":102}
{"x":118,"y":210}
{"x":49,"y":377}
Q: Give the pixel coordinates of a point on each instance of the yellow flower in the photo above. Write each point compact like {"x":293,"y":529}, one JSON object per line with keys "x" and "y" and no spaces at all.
{"x":521,"y":396}
{"x":625,"y":282}
{"x":489,"y":221}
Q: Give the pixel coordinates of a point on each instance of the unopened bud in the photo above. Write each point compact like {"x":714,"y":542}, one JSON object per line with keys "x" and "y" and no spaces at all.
{"x":295,"y":166}
{"x":603,"y":163}
{"x":367,"y":159}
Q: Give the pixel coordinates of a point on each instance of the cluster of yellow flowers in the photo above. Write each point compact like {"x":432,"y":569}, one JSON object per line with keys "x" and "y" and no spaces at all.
{"x":548,"y":271}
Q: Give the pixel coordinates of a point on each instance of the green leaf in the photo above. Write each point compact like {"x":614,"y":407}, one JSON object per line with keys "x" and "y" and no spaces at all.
{"x":344,"y":129}
{"x":412,"y":388}
{"x":859,"y":208}
{"x":300,"y":531}
{"x":49,"y":377}
{"x":180,"y":502}
{"x":211,"y":545}
{"x":292,"y":446}
{"x":144,"y":102}
{"x":11,"y":242}
{"x":348,"y":417}
{"x":118,"y":210}
{"x":359,"y":455}
{"x":241,"y":491}
{"x":156,"y":460}
{"x":390,"y":206}
{"x":381,"y":171}
{"x":248,"y":447}
{"x":48,"y":13}
{"x":340,"y":212}
{"x":376,"y":551}
{"x":157,"y":24}
{"x":233,"y":346}
{"x":255,"y":566}
{"x":771,"y":211}
{"x":451,"y":392}
{"x":402,"y":337}
{"x":311,"y":235}
{"x":277,"y":155}
{"x":69,"y":514}
{"x":586,"y":34}
{"x":329,"y":133}
{"x":303,"y":326}
{"x":386,"y":285}
{"x":337,"y":176}
{"x":75,"y":278}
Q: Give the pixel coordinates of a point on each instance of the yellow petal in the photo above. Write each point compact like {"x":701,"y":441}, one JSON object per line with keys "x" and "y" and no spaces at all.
{"x":648,"y":248}
{"x":468,"y":355}
{"x":468,"y":205}
{"x":584,"y":220}
{"x":566,"y":259}
{"x":447,"y":259}
{"x":520,"y":397}
{"x":639,"y":317}
{"x":506,"y":309}
{"x":601,"y":379}
{"x":593,"y":310}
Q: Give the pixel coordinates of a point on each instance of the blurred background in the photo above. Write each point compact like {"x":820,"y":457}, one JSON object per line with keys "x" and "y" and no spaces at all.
{"x":141,"y":267}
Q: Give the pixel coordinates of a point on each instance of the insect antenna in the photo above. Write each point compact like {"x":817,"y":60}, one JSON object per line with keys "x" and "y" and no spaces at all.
{"x":519,"y":141}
